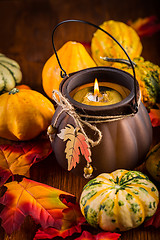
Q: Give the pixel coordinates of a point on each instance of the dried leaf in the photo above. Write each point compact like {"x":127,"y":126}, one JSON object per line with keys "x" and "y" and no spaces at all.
{"x":76,"y":145}
{"x":28,"y":197}
{"x":145,"y":26}
{"x":100,"y":236}
{"x":155,"y":219}
{"x":18,"y":158}
{"x":72,"y":216}
{"x":71,"y":223}
{"x":50,"y":233}
{"x":155,"y":117}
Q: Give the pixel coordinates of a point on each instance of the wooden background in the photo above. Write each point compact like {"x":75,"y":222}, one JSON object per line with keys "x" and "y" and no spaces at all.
{"x":25,"y":35}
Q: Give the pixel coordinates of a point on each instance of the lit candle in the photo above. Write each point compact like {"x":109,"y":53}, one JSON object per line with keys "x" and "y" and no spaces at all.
{"x":100,"y":94}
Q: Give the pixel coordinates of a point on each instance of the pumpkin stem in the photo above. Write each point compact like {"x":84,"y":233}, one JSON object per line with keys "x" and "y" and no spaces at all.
{"x":119,"y":60}
{"x":13,"y":91}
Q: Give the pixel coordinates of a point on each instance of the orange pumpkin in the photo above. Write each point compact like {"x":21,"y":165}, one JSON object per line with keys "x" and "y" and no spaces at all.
{"x":24,"y":114}
{"x":73,"y":57}
{"x":23,"y":86}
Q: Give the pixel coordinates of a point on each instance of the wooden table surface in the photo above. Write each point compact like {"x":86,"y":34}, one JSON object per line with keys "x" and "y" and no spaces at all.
{"x":25,"y":35}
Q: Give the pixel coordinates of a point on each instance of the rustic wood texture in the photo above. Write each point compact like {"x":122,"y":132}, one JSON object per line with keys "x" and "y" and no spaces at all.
{"x":25,"y":35}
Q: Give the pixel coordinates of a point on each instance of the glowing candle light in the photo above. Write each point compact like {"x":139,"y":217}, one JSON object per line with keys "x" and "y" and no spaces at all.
{"x":97,"y":95}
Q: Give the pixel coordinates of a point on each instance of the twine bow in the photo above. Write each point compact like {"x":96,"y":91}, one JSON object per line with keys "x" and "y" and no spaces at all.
{"x":69,"y":109}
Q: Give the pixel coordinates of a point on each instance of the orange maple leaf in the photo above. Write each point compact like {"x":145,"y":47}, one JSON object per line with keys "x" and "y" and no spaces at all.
{"x":38,"y":200}
{"x":76,"y":145}
{"x":72,"y":222}
{"x":18,"y":158}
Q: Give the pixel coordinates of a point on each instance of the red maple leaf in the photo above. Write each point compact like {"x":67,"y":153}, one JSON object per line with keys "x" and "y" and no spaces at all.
{"x":76,"y":145}
{"x":145,"y":26}
{"x":71,"y":223}
{"x":40,"y":201}
{"x":155,"y":117}
{"x":100,"y":236}
{"x":19,"y":157}
{"x":50,"y":233}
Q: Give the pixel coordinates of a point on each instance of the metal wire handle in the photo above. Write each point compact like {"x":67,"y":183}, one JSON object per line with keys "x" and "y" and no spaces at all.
{"x":63,"y":72}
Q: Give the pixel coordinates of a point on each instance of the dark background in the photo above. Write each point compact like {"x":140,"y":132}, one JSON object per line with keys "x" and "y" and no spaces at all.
{"x":25,"y":35}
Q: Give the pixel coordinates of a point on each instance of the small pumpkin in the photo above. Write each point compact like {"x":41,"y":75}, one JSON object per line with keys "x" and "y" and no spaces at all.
{"x":119,"y":201}
{"x":10,"y":73}
{"x":73,"y":57}
{"x":148,"y":77}
{"x":104,"y":46}
{"x":24,"y":114}
{"x":23,"y":86}
{"x":153,"y":162}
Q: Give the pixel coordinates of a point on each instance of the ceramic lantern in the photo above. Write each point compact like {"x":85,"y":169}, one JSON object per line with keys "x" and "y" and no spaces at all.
{"x":99,"y":137}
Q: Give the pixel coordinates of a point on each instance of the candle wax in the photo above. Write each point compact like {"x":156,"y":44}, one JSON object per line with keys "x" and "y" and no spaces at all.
{"x":107,"y":96}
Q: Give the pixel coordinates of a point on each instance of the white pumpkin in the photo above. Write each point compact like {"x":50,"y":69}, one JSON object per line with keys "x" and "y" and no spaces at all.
{"x":10,"y":73}
{"x":119,"y":201}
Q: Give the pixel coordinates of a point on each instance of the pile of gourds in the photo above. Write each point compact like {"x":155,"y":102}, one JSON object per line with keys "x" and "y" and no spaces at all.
{"x":74,"y":57}
{"x":24,"y":113}
{"x":103,"y":48}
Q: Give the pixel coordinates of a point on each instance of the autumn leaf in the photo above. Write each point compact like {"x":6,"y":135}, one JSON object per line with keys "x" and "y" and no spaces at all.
{"x":37,"y":200}
{"x":76,"y":145}
{"x":50,"y":233}
{"x":18,"y":158}
{"x":155,"y":117}
{"x":71,"y":223}
{"x":100,"y":236}
{"x":145,"y":26}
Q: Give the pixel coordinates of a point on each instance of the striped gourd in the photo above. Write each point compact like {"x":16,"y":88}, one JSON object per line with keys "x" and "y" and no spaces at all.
{"x":148,"y":77}
{"x":153,"y":162}
{"x":119,"y":201}
{"x":10,"y":73}
{"x":103,"y":46}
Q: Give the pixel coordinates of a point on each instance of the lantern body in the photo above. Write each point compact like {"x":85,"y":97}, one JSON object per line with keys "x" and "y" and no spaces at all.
{"x":125,"y":142}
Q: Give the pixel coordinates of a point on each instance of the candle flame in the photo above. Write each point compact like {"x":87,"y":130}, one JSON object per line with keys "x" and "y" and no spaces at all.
{"x":96,"y":87}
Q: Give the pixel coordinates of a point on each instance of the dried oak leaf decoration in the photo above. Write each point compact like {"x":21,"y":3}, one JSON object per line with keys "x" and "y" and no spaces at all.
{"x":76,"y":145}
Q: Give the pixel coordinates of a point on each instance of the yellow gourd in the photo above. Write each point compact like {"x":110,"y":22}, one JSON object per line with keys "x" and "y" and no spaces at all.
{"x":24,"y":114}
{"x":148,"y":77}
{"x":153,"y":162}
{"x":103,"y":46}
{"x":73,"y":57}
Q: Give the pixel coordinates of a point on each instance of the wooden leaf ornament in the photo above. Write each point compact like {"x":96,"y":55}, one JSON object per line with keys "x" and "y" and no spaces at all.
{"x":40,"y":201}
{"x":76,"y":145}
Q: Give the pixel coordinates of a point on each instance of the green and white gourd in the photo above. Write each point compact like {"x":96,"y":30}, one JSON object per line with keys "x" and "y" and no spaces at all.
{"x":10,"y":73}
{"x":119,"y":201}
